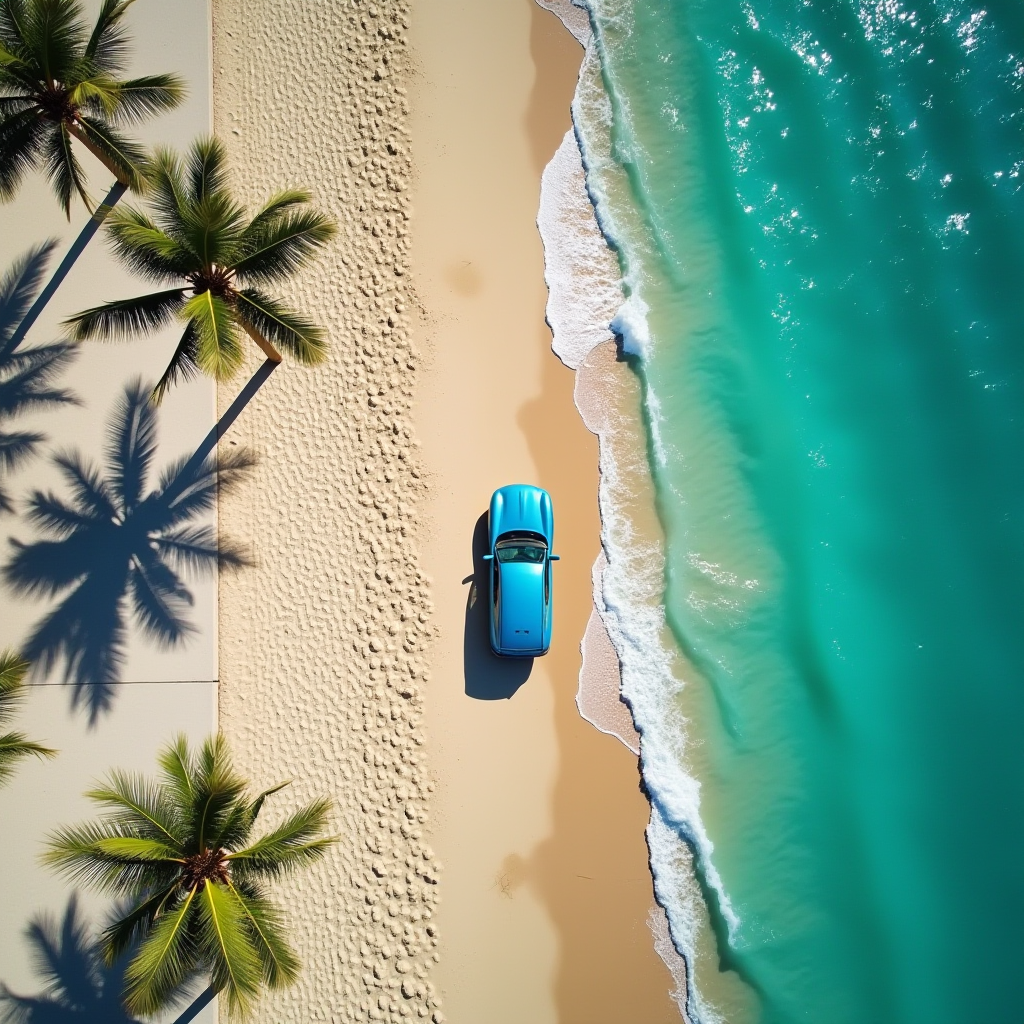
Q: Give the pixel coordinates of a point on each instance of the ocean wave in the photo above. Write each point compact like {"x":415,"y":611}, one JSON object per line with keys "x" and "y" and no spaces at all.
{"x":595,"y":295}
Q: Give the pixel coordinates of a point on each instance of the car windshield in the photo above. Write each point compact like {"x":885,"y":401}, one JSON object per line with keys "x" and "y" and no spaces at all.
{"x":520,"y":549}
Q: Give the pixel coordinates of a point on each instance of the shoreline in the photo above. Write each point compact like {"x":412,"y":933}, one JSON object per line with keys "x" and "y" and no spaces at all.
{"x":589,"y":315}
{"x":539,"y":818}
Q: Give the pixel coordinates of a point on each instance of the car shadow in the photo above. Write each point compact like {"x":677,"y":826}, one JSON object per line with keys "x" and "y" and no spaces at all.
{"x":488,"y":677}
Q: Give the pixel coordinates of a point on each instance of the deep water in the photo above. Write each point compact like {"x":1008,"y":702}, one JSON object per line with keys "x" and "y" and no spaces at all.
{"x":819,"y":214}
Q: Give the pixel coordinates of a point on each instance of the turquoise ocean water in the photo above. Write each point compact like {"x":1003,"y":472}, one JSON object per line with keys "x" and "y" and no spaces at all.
{"x":819,"y":214}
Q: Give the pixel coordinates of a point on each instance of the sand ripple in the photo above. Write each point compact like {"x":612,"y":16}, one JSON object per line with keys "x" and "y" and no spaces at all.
{"x":321,"y":645}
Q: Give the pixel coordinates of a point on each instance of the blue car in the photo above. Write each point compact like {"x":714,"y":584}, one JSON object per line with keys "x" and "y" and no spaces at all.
{"x":522,"y":530}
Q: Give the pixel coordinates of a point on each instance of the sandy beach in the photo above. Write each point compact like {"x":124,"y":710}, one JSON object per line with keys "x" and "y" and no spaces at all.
{"x":492,"y":865}
{"x":538,"y":817}
{"x":322,"y":671}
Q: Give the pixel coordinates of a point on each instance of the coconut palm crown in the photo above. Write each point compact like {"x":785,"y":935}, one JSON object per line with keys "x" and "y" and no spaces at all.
{"x":219,"y":261}
{"x":14,"y":746}
{"x":59,"y":82}
{"x":181,"y":850}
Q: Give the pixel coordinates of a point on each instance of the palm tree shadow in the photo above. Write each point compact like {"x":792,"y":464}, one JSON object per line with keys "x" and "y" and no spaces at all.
{"x":30,"y":314}
{"x":78,"y":986}
{"x":116,"y":551}
{"x":487,"y":676}
{"x":27,"y":377}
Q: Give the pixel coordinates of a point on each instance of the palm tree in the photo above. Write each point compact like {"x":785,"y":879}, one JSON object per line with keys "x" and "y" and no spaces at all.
{"x":181,"y":849}
{"x":78,"y":986}
{"x":116,"y":545}
{"x":26,"y":377}
{"x":14,"y":746}
{"x":218,"y":260}
{"x":59,"y":82}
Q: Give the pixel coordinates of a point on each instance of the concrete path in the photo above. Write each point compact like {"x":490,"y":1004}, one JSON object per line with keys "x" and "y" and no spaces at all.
{"x":160,"y":692}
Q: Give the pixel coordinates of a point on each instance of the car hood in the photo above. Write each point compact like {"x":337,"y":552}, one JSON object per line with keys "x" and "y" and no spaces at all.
{"x":520,"y":507}
{"x":522,"y":606}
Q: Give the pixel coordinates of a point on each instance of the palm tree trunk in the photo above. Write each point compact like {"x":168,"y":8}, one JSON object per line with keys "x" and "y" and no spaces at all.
{"x":268,"y":350}
{"x":84,"y":237}
{"x":96,"y":152}
{"x":93,"y":225}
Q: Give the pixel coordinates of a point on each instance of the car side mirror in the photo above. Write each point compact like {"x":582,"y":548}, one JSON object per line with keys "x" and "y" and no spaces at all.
{"x":488,"y":558}
{"x":554,"y":558}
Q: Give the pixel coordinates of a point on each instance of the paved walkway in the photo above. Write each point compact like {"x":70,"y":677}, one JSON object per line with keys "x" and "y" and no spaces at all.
{"x":98,"y":725}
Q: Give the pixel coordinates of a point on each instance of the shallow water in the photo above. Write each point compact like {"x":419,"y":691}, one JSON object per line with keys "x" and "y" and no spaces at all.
{"x":819,"y":218}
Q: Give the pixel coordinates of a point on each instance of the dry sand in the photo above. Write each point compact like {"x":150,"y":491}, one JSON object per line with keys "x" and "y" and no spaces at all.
{"x":322,"y":671}
{"x":336,"y":669}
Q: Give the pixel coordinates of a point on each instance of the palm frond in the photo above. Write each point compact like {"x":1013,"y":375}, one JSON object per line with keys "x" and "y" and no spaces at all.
{"x":165,"y":960}
{"x":147,"y":250}
{"x":206,"y":169}
{"x":95,"y":95}
{"x":276,"y":248}
{"x":15,"y":104}
{"x":53,"y":34}
{"x":167,"y":191}
{"x":19,"y":78}
{"x":15,"y":747}
{"x":238,"y":828}
{"x":77,"y":853}
{"x":277,"y":205}
{"x":182,"y":366}
{"x":22,"y":138}
{"x":261,"y":799}
{"x":278,"y":961}
{"x":123,"y":319}
{"x":218,"y":352}
{"x":130,"y":445}
{"x":13,"y":669}
{"x":124,"y":158}
{"x":297,"y":842}
{"x":303,"y":340}
{"x":217,"y":787}
{"x":139,"y":98}
{"x":133,"y":802}
{"x":127,"y":929}
{"x":134,"y":849}
{"x":225,"y":937}
{"x":177,"y":768}
{"x":212,"y":226}
{"x":63,"y":169}
{"x":108,"y":44}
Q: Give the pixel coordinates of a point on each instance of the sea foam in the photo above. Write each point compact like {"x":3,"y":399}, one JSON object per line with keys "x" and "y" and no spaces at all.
{"x":595,"y":297}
